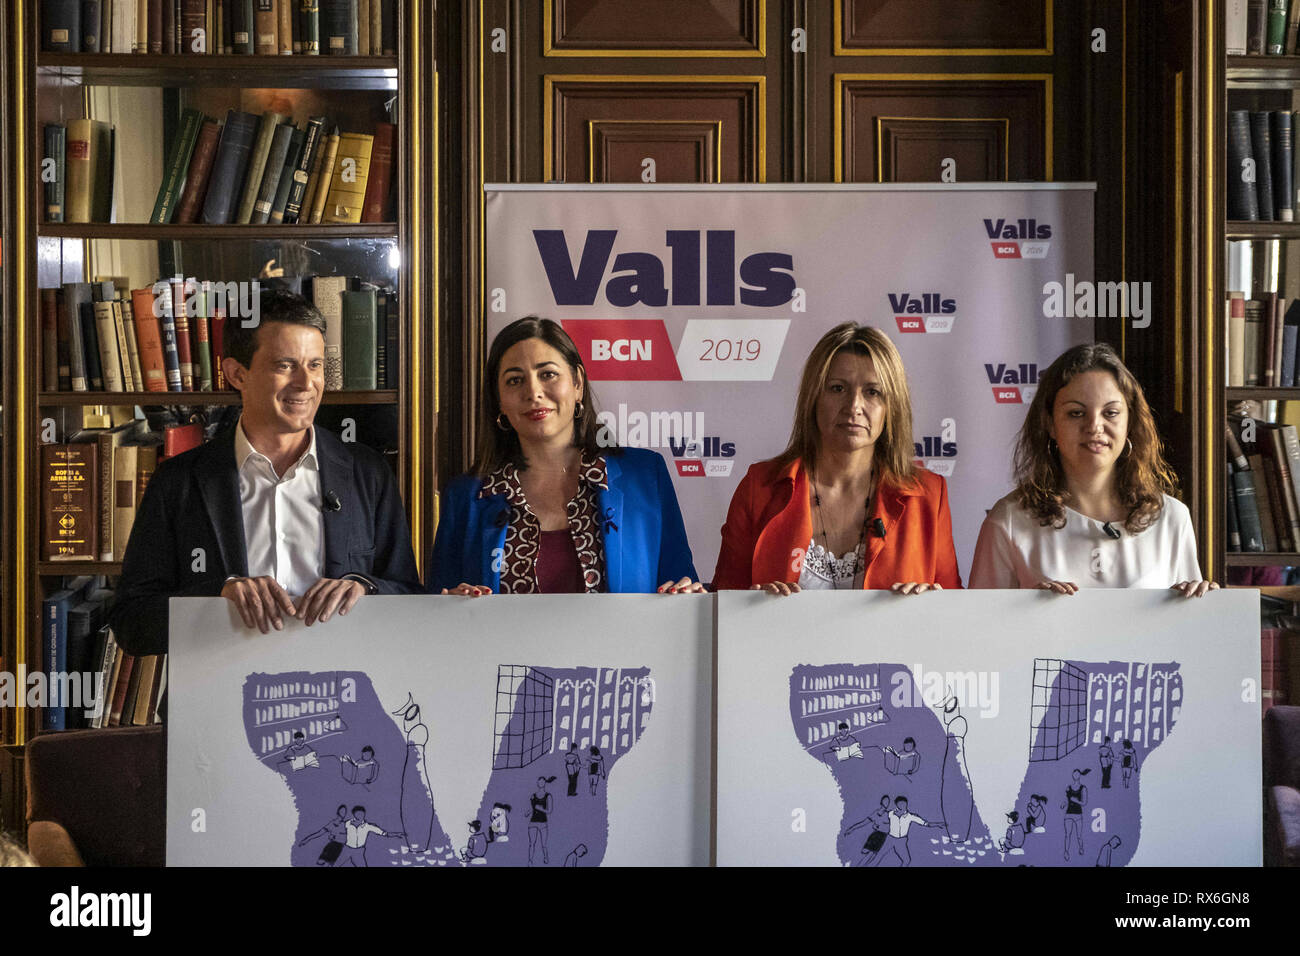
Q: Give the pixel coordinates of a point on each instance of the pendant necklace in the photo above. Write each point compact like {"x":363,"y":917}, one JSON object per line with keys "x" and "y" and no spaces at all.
{"x":862,"y":532}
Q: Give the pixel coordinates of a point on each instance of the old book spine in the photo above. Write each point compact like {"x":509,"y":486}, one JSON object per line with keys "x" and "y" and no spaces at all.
{"x":148,"y":335}
{"x":375,"y":203}
{"x":229,"y":167}
{"x":284,"y":26}
{"x":196,"y":177}
{"x":266,"y":27}
{"x":50,"y":340}
{"x":257,"y":164}
{"x":305,"y":168}
{"x":274,"y":169}
{"x":132,"y":345}
{"x":69,"y":502}
{"x":309,"y":20}
{"x":360,"y":334}
{"x":287,"y":174}
{"x":55,"y":145}
{"x":181,"y":318}
{"x":325,"y":175}
{"x":347,"y":191}
{"x":176,"y":168}
{"x":327,"y":296}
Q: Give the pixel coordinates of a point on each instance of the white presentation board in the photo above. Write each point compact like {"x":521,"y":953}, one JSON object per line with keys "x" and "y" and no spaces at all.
{"x":1040,"y":682}
{"x":432,"y":712}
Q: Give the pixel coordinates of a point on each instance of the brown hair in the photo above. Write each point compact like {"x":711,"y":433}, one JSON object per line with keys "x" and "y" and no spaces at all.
{"x":497,"y":446}
{"x":893,"y":451}
{"x":1142,"y":476}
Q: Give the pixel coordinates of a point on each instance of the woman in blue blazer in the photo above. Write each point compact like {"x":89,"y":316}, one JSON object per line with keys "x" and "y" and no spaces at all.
{"x":547,"y":509}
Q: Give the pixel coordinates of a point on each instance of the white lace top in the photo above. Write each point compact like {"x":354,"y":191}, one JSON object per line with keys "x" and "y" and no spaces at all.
{"x":822,"y":571}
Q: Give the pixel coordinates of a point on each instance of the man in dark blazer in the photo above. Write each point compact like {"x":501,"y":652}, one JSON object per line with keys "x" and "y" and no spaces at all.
{"x":278,"y":516}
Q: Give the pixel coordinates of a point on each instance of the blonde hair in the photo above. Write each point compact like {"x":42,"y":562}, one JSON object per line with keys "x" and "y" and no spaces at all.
{"x":893,"y":451}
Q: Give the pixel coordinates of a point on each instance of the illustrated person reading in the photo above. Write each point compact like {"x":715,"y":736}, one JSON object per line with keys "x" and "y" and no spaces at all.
{"x":548,"y":508}
{"x":278,"y":516}
{"x":1092,"y":505}
{"x":843,"y":506}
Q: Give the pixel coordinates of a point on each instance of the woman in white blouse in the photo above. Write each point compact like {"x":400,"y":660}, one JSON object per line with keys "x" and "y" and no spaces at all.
{"x":1092,"y":506}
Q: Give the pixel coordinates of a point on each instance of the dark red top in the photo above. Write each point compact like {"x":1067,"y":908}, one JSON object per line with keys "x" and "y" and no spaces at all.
{"x":558,"y":569}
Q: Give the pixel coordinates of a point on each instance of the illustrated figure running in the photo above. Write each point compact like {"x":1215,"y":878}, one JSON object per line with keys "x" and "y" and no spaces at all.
{"x":900,"y":822}
{"x":595,"y":769}
{"x":336,"y":833}
{"x":879,"y":820}
{"x":1128,"y":761}
{"x":542,"y":804}
{"x":354,"y":854}
{"x":1076,"y":798}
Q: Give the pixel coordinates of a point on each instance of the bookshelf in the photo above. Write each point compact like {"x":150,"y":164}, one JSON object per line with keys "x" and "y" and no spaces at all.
{"x":143,"y":96}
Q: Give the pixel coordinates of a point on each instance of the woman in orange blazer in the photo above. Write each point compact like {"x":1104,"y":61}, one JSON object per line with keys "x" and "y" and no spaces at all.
{"x":844,"y":506}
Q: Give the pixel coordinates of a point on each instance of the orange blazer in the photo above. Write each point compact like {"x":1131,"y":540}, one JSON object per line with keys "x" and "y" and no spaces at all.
{"x":769,"y":527}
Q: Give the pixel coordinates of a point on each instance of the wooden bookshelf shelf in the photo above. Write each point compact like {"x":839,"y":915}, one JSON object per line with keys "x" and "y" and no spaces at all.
{"x":156,"y":233}
{"x":301,"y":72}
{"x":383,"y":396}
{"x":1259,"y":559}
{"x":1260,"y":393}
{"x":1239,"y":229}
{"x":75,"y":568}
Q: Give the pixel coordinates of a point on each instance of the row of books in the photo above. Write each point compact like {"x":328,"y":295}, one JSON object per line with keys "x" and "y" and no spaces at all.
{"x":249,"y":170}
{"x":1263,"y":507}
{"x":1262,"y":27}
{"x":311,"y":27}
{"x":1262,"y":174}
{"x":171,"y":337}
{"x":76,"y":641}
{"x":1262,"y":340}
{"x":92,"y":485}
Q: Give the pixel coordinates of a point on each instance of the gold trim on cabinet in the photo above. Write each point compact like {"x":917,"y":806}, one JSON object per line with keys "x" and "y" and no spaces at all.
{"x":591,"y":142}
{"x":1180,"y":372}
{"x":414,"y":402}
{"x":1005,"y":120}
{"x":548,"y":108}
{"x":1211,"y":356}
{"x":841,"y":50}
{"x":549,"y":49}
{"x":20,"y":261}
{"x":841,"y":78}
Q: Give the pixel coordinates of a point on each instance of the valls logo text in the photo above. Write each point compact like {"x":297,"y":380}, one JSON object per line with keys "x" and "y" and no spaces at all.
{"x":926,"y":312}
{"x":1012,"y":384}
{"x":1018,"y":238}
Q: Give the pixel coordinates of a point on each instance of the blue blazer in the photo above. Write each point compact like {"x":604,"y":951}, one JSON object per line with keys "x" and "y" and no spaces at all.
{"x":645,"y":539}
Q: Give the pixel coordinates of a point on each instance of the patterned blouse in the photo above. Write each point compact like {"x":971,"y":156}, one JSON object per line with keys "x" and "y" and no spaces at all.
{"x":523,"y":534}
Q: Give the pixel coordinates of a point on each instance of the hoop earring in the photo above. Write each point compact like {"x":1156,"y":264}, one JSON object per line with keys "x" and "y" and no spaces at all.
{"x":503,"y":425}
{"x":578,"y":410}
{"x":1129,"y":443}
{"x":1052,"y":447}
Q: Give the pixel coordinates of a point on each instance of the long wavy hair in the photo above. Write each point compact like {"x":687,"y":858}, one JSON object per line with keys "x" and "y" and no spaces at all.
{"x":893,"y":449}
{"x":1142,"y":476}
{"x":498,"y":446}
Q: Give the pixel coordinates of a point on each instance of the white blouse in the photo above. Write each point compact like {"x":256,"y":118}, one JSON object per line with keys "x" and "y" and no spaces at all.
{"x":822,"y":571}
{"x":1015,"y":551}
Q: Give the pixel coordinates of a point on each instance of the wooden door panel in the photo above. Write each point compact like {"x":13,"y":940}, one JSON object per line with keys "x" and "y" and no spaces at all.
{"x":943,"y":26}
{"x":654,"y":27}
{"x":683,"y":152}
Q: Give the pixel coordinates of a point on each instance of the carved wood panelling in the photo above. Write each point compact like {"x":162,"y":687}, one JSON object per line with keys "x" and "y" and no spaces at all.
{"x":911,"y":149}
{"x":683,"y":152}
{"x":1021,"y":104}
{"x":654,"y":27}
{"x":733,"y":106}
{"x":948,"y":26}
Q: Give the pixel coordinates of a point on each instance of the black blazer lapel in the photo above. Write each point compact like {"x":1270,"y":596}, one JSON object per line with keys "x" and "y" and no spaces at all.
{"x":336,"y":478}
{"x":218,"y":483}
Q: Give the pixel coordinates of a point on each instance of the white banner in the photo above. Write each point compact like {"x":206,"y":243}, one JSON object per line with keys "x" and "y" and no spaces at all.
{"x":695,"y":307}
{"x":374,"y":739}
{"x":867,"y":729}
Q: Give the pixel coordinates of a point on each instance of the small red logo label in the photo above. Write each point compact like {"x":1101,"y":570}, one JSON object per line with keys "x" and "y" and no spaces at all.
{"x":689,"y":468}
{"x":624,"y":350}
{"x":1006,"y":250}
{"x":1007,"y":394}
{"x":909,"y":323}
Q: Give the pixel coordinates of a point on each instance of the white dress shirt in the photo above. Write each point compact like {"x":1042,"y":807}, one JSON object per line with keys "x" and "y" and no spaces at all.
{"x":284,"y":527}
{"x":1015,"y":551}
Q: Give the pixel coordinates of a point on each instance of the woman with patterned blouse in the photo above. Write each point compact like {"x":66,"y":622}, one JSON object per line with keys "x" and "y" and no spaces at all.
{"x":548,"y":508}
